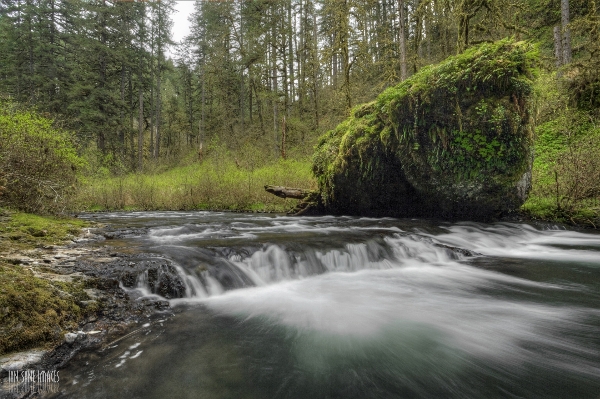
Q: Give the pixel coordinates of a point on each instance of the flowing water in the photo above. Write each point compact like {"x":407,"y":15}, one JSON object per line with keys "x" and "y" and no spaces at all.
{"x":340,"y":307}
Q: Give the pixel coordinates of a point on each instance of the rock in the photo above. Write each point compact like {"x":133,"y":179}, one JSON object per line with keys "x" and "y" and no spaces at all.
{"x":70,"y":338}
{"x":454,"y":140}
{"x":86,"y":304}
{"x":78,"y":336}
{"x":20,"y":361}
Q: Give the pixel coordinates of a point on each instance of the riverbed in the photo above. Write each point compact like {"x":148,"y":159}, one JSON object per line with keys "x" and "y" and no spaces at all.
{"x":269,"y":306}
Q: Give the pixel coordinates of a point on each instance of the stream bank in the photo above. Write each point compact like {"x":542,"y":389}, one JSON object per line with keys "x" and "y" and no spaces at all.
{"x":59,"y":299}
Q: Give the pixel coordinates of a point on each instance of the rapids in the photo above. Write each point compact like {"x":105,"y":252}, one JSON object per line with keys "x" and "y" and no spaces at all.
{"x":343,"y":307}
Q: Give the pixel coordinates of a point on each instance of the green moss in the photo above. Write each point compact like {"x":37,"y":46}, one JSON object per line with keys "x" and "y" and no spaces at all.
{"x":35,"y":312}
{"x":23,"y":230}
{"x":454,"y":135}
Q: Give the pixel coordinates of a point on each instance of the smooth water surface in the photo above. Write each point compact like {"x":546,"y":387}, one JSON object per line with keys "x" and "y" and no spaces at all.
{"x":340,"y":307}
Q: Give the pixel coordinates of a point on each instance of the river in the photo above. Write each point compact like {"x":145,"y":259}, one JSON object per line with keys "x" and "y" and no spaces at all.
{"x":344,"y":307}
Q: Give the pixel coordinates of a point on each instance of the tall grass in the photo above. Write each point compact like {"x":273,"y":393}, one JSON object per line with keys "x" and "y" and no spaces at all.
{"x":216,"y":183}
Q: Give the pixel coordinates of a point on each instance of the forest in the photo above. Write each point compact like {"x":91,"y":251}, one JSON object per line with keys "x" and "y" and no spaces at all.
{"x":100,"y":109}
{"x":428,"y":111}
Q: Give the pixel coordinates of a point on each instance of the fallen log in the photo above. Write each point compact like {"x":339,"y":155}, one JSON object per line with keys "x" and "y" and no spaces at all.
{"x":287,"y":192}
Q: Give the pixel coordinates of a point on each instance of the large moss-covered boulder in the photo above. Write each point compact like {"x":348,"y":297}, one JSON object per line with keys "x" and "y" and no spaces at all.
{"x":454,"y":140}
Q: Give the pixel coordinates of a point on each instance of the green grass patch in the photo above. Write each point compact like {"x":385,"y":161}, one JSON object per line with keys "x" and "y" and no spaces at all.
{"x":216,"y":183}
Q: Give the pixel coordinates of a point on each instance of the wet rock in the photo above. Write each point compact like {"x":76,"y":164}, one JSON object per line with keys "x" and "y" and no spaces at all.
{"x":458,"y":251}
{"x":101,"y":269}
{"x":20,"y":361}
{"x":70,"y":338}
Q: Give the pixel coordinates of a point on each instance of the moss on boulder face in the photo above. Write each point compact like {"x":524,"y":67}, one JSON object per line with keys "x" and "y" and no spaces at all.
{"x":454,"y":140}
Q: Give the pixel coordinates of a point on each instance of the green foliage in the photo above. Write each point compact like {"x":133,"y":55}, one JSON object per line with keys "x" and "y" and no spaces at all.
{"x":566,"y":170}
{"x":38,"y":162}
{"x":220,"y":181}
{"x":582,"y":75}
{"x":454,"y":131}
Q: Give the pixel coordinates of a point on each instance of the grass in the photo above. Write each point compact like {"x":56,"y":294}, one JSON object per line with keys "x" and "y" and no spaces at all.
{"x":216,"y":183}
{"x":35,"y":312}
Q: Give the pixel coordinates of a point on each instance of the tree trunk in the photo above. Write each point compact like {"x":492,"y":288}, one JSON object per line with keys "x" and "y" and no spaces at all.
{"x":121,"y":111}
{"x":152,"y":105}
{"x":558,"y":53}
{"x":141,"y":128}
{"x":202,"y":107}
{"x":403,"y":74}
{"x":287,"y":192}
{"x":291,"y":24}
{"x":274,"y":89}
{"x":158,"y":104}
{"x":241,"y":72}
{"x":140,"y":148}
{"x":566,"y":43}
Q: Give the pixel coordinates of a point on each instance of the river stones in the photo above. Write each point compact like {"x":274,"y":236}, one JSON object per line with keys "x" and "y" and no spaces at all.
{"x":454,"y":140}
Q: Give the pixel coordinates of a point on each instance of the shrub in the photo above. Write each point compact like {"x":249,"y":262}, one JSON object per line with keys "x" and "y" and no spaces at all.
{"x":38,"y":162}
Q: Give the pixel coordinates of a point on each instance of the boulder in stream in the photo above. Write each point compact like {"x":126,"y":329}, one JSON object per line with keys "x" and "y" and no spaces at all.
{"x":454,"y":141}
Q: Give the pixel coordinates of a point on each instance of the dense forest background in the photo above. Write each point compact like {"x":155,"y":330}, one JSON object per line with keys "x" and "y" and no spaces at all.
{"x":258,"y":81}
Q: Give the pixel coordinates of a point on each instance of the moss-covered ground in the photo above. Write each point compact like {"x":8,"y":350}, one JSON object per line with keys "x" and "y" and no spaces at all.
{"x":22,"y":231}
{"x":35,"y":312}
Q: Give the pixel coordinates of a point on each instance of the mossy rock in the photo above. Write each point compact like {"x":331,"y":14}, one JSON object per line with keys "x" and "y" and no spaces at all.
{"x":454,"y":140}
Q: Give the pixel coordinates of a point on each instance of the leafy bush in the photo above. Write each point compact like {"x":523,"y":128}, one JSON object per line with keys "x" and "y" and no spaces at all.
{"x":38,"y":162}
{"x":566,"y":170}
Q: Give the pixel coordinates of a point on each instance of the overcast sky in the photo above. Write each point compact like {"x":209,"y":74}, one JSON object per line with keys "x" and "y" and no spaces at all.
{"x":181,"y":25}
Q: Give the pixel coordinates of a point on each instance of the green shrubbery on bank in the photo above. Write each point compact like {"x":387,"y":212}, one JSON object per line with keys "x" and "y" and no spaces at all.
{"x":566,"y":170}
{"x":38,"y":162}
{"x":216,"y":182}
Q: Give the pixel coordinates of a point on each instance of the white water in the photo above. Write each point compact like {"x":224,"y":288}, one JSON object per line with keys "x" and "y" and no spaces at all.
{"x":406,"y":284}
{"x":523,"y":241}
{"x":371,"y":308}
{"x":419,"y":250}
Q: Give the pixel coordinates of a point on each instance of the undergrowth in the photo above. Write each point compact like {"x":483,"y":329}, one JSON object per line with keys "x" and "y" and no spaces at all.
{"x":566,"y":170}
{"x":215,"y":183}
